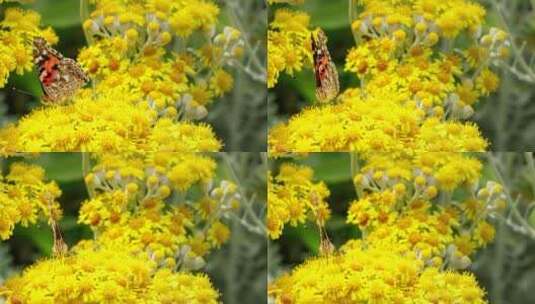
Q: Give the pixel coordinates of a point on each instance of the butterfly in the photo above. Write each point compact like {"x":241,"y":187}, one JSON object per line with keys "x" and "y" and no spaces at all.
{"x":60,"y":77}
{"x":327,"y":85}
{"x":60,"y":248}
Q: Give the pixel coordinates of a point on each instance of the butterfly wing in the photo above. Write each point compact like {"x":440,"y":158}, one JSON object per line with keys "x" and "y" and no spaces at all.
{"x":48,"y":76}
{"x":327,"y":87}
{"x":326,"y":75}
{"x":71,"y":77}
{"x":60,"y":77}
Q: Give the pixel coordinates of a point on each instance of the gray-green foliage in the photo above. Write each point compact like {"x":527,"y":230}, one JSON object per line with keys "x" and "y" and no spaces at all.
{"x":240,"y":118}
{"x":5,"y":265}
{"x":506,"y":268}
{"x":239,"y":268}
{"x":507,"y":118}
{"x":5,"y":262}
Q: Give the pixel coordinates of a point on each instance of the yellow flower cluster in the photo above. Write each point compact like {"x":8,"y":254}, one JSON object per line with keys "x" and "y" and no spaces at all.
{"x":415,"y":84}
{"x":154,"y":217}
{"x":421,"y":209}
{"x":145,"y":201}
{"x":415,"y":233}
{"x":289,"y":46}
{"x":111,"y":121}
{"x":409,"y":200}
{"x":184,"y":82}
{"x":365,"y":123}
{"x":16,"y":33}
{"x":450,"y":17}
{"x":106,"y":275}
{"x":155,"y":67}
{"x":292,"y":196}
{"x":374,"y":274}
{"x":25,"y":197}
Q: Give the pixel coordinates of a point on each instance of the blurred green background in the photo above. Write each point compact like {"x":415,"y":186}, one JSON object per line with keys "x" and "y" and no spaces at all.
{"x":238,"y":269}
{"x":506,"y":118}
{"x":239,"y":118}
{"x":505,"y":269}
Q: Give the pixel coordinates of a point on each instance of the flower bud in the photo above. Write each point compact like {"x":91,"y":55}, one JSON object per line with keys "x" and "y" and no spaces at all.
{"x":153,"y":180}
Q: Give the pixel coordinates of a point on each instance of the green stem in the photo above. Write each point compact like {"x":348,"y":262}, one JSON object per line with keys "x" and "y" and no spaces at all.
{"x":352,"y":10}
{"x":528,"y":156}
{"x":259,"y":225}
{"x":256,"y":69}
{"x":498,"y":261}
{"x":527,"y":74}
{"x":354,"y":171}
{"x":86,"y":168}
{"x":514,"y":220}
{"x":84,"y":15}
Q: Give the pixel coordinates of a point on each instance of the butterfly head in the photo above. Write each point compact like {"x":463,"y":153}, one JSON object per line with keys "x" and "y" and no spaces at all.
{"x":39,"y":43}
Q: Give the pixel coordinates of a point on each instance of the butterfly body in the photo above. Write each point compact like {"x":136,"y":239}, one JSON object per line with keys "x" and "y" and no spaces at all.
{"x":60,"y":77}
{"x":327,"y":85}
{"x":60,"y":248}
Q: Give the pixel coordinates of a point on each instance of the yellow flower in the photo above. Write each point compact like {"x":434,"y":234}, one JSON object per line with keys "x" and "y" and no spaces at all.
{"x":23,"y":58}
{"x":109,"y":274}
{"x":218,"y":234}
{"x":112,"y":121}
{"x":487,"y":82}
{"x":189,"y":16}
{"x":402,"y":123}
{"x":484,"y":233}
{"x":25,"y":197}
{"x":292,"y":195}
{"x":221,"y":82}
{"x":288,"y":44}
{"x":144,"y":97}
{"x":369,"y":124}
{"x":372,"y":274}
{"x":140,"y":199}
{"x":409,"y":88}
{"x":18,"y":29}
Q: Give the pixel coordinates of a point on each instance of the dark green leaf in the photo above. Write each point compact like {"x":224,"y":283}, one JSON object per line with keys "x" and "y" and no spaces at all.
{"x":61,"y":167}
{"x":303,"y":82}
{"x":330,"y":167}
{"x":307,"y":234}
{"x":58,"y":13}
{"x":42,"y":240}
{"x":328,"y":15}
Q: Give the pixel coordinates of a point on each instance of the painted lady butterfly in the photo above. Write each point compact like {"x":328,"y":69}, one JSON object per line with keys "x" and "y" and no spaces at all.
{"x":60,"y":248}
{"x":60,"y":77}
{"x":327,"y":85}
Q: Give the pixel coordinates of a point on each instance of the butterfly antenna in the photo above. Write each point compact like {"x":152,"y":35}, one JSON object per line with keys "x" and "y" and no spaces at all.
{"x":24,"y":92}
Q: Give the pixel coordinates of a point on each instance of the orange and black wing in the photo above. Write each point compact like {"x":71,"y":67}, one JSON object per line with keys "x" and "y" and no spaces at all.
{"x":60,"y":77}
{"x":327,"y":85}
